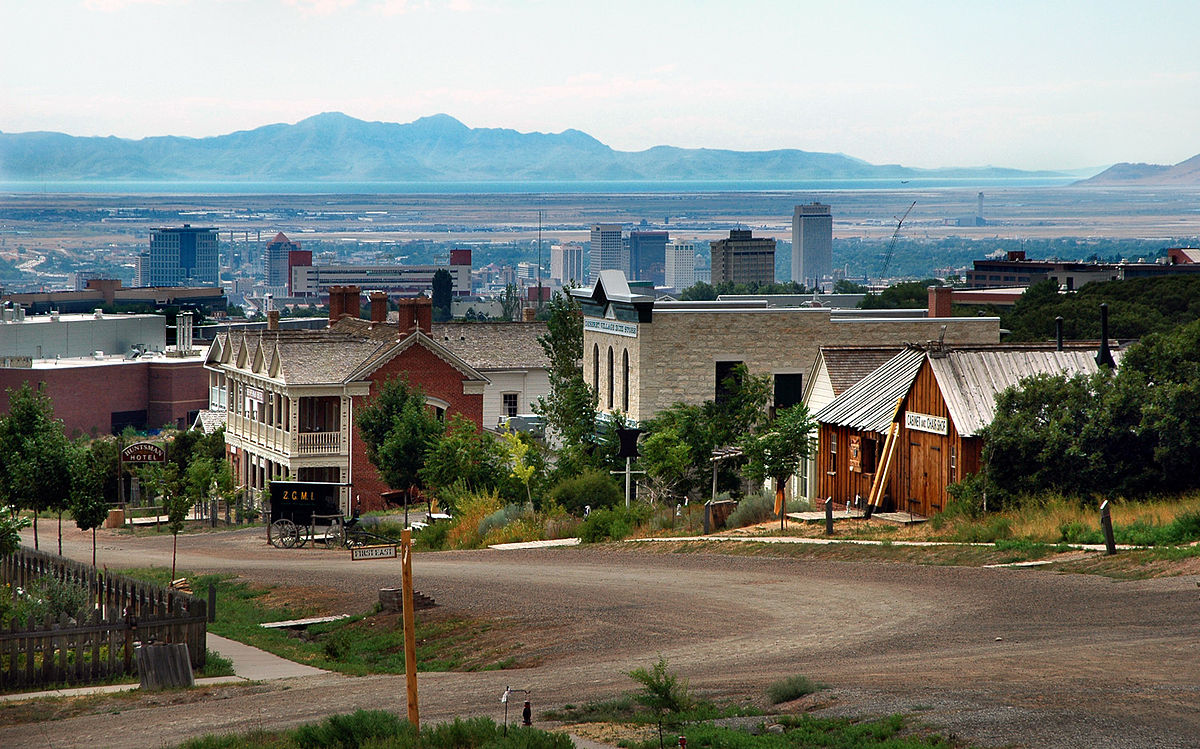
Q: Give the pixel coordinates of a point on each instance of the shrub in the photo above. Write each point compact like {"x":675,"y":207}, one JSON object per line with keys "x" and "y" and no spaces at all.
{"x":432,"y":537}
{"x":471,"y":511}
{"x":614,"y":523}
{"x":751,"y":510}
{"x":354,"y":730}
{"x":593,"y":488}
{"x":509,"y":513}
{"x":791,"y":688}
{"x":49,"y":597}
{"x":986,"y":531}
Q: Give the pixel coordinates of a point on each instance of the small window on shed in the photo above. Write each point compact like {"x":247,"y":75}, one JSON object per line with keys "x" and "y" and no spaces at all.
{"x":953,"y":463}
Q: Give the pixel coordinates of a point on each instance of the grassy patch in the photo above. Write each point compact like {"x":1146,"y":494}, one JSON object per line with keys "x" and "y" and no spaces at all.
{"x":1137,"y":564}
{"x":364,"y":644}
{"x":381,"y":730}
{"x":626,"y":709}
{"x":791,"y":688}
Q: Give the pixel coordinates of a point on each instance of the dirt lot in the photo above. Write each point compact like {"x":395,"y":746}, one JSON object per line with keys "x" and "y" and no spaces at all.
{"x":995,"y":656}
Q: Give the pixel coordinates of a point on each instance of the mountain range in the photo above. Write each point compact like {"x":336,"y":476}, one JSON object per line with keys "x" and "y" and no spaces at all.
{"x":1184,"y":174}
{"x":335,"y":147}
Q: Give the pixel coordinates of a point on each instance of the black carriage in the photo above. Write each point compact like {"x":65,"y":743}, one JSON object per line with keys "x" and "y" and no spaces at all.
{"x":298,"y":508}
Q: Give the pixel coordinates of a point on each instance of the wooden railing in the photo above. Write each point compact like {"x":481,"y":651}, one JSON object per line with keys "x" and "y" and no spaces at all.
{"x":318,"y":443}
{"x":124,"y":613}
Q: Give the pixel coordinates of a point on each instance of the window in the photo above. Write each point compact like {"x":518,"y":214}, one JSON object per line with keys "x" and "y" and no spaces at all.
{"x":953,"y":463}
{"x":789,"y":390}
{"x":510,"y":404}
{"x":832,"y":452}
{"x":625,"y":380}
{"x":729,"y":379}
{"x":596,"y":366}
{"x":610,"y":378}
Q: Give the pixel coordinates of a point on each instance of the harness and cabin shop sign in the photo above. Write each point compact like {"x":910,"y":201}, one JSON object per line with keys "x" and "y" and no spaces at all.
{"x":926,"y":423}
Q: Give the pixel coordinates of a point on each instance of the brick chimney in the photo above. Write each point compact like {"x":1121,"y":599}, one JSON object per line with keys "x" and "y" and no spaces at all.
{"x":336,"y":303}
{"x":379,"y":304}
{"x":416,"y":313}
{"x":344,"y":300}
{"x":273,"y":320}
{"x":529,"y":314}
{"x":940,"y":298}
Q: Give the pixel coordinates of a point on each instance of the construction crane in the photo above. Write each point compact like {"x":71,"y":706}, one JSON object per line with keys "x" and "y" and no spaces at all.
{"x":887,"y":256}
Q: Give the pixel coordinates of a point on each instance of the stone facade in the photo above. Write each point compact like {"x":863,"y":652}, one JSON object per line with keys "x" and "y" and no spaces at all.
{"x":673,"y":357}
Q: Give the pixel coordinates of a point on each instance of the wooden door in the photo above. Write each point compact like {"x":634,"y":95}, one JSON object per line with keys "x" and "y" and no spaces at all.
{"x":926,"y":475}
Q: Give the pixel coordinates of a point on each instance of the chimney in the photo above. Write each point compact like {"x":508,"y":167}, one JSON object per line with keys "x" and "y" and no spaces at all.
{"x":1058,"y":334}
{"x":529,"y":314}
{"x":336,"y":304}
{"x":940,"y":298}
{"x":416,"y":313}
{"x":352,"y":304}
{"x":273,"y":319}
{"x":1016,"y":255}
{"x":1104,"y":357}
{"x":379,"y":304}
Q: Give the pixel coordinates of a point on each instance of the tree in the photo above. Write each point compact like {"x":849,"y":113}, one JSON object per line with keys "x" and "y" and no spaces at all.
{"x":776,"y":451}
{"x":88,"y":504}
{"x":463,"y":454}
{"x":398,"y":429}
{"x":35,"y":471}
{"x":667,"y":460}
{"x":510,"y":302}
{"x":443,"y":289}
{"x":662,"y":692}
{"x":842,"y":286}
{"x":570,"y":407}
{"x":905,"y":295}
{"x":163,"y":480}
{"x":520,"y":467}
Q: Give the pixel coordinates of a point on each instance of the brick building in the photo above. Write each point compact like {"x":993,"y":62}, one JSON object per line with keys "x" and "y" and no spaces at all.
{"x":289,"y":397}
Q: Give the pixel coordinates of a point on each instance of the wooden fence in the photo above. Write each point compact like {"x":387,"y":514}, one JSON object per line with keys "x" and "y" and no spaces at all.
{"x":125,"y":613}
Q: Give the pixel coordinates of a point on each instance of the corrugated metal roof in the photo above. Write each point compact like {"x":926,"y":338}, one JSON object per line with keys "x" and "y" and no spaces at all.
{"x":971,"y":380}
{"x":869,"y":404}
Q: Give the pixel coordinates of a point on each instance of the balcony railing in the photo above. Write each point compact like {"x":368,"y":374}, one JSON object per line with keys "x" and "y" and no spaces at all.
{"x":318,"y":443}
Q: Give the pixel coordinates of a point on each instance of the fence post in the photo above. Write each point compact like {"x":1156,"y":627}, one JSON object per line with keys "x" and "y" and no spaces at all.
{"x":212,"y":602}
{"x":829,"y":516}
{"x":1110,"y":543}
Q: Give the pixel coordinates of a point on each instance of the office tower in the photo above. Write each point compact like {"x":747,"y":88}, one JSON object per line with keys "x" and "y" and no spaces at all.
{"x":647,"y":251}
{"x":812,"y":244}
{"x":680,"y":271}
{"x":607,"y":251}
{"x":566,"y":264}
{"x":275,"y":260}
{"x":743,"y":258}
{"x":183,"y":256}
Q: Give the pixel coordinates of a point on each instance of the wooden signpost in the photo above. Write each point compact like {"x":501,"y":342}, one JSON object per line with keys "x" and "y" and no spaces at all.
{"x":410,"y":634}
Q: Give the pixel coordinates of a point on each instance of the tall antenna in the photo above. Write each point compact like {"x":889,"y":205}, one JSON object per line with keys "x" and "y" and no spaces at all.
{"x":887,"y":257}
{"x":539,"y":276}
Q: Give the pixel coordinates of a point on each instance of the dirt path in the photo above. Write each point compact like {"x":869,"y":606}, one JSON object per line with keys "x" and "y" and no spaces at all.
{"x":997,"y":656}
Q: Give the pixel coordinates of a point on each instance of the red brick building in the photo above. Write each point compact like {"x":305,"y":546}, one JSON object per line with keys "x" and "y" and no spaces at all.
{"x":289,"y":396}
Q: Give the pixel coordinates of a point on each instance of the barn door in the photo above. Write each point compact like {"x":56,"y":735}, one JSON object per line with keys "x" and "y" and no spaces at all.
{"x":926,"y":475}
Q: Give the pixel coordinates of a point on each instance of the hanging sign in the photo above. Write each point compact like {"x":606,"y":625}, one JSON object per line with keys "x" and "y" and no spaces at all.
{"x":373,"y":552}
{"x":144,"y":452}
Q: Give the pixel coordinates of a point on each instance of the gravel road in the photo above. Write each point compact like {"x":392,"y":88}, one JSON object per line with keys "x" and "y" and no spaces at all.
{"x":999,"y":657}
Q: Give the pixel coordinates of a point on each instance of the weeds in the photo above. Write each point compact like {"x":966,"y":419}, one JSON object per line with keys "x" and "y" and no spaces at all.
{"x":791,"y":688}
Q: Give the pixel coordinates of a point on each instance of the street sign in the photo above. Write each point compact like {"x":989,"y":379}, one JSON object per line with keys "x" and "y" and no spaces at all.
{"x":373,"y":552}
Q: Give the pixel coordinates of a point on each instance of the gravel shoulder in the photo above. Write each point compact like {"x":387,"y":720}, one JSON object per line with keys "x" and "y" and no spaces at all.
{"x":998,"y":657}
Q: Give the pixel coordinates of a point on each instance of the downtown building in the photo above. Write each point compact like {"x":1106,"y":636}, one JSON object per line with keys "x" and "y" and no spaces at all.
{"x":680,"y":270}
{"x":812,"y":244}
{"x":566,"y":264}
{"x":310,"y":280}
{"x":647,"y":255}
{"x":607,"y":251}
{"x":276,"y":256}
{"x":743,"y":258}
{"x":180,"y":256}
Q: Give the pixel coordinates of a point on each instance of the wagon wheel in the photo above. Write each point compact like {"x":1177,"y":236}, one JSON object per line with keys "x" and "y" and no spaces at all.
{"x":284,"y":534}
{"x":335,"y":535}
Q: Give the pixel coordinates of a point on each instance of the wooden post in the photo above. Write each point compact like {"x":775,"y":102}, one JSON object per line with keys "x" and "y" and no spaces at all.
{"x":1110,"y":543}
{"x":829,"y":516}
{"x":410,"y":627}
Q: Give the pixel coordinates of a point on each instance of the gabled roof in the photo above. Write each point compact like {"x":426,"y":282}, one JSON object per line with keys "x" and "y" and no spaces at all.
{"x":971,"y":380}
{"x":847,"y":365}
{"x":869,"y":404}
{"x":495,"y":345}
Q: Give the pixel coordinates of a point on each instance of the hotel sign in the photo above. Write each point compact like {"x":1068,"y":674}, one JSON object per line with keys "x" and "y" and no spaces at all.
{"x":144,"y":452}
{"x":926,"y":423}
{"x":629,"y":330}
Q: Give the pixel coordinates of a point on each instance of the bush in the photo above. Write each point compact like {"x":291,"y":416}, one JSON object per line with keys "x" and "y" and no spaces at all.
{"x":432,"y":537}
{"x":509,"y":513}
{"x":592,"y":488}
{"x":612,"y":524}
{"x":48,"y":597}
{"x":791,"y":688}
{"x":758,"y":508}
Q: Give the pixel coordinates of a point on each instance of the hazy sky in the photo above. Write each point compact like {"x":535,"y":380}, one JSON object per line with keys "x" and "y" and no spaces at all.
{"x":1038,"y":84}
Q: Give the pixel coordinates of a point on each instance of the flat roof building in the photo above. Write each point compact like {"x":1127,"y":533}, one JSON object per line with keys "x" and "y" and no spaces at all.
{"x":812,"y":244}
{"x":743,"y":258}
{"x":180,"y":256}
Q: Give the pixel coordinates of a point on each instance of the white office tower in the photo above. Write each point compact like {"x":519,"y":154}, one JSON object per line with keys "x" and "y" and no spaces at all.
{"x":812,"y":244}
{"x":680,"y":264}
{"x":566,"y":264}
{"x":607,"y":251}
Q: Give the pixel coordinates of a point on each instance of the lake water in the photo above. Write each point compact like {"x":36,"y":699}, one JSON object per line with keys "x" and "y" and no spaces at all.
{"x":166,"y":187}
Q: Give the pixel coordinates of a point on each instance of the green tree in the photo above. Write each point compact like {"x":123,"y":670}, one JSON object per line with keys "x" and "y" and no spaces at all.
{"x":163,"y":480}
{"x":519,"y":464}
{"x":699,"y":292}
{"x":776,"y":451}
{"x":398,"y":429}
{"x":464,"y":455}
{"x":570,"y":407}
{"x":842,"y":286}
{"x":88,"y":505}
{"x":443,"y":289}
{"x":663,"y":693}
{"x":35,"y":471}
{"x":510,"y":302}
{"x":10,"y":533}
{"x":667,"y":460}
{"x":905,"y":295}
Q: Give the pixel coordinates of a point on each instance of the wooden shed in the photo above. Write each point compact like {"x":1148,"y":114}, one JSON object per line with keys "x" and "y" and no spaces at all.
{"x":940,"y":400}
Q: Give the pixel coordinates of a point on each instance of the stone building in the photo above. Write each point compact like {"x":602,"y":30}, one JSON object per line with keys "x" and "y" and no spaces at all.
{"x":643,"y":356}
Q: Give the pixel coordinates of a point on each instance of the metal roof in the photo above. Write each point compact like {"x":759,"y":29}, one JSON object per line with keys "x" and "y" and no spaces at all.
{"x":971,"y":380}
{"x":869,"y":404}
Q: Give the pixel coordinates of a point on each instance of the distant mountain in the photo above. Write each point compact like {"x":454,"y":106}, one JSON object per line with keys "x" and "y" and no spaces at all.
{"x":333,"y":146}
{"x":1183,"y":174}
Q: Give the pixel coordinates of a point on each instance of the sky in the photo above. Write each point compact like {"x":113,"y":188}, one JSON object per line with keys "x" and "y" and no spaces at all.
{"x":1031,"y":85}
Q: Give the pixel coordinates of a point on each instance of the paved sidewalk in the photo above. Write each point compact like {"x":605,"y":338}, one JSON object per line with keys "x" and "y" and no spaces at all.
{"x":258,"y":665}
{"x":536,"y":544}
{"x":861,"y":542}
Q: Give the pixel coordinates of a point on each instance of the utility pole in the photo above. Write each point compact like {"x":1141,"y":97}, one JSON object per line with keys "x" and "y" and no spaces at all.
{"x":539,"y":276}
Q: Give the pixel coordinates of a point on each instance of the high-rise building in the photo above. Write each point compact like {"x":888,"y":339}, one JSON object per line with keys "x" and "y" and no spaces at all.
{"x":647,"y":255}
{"x":607,"y":251}
{"x":680,"y":272}
{"x":812,"y":244}
{"x":743,"y":258}
{"x":275,"y":260}
{"x":566,"y":264}
{"x":180,"y":256}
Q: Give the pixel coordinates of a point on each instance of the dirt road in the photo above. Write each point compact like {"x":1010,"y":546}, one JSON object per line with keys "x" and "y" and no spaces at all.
{"x":996,"y":656}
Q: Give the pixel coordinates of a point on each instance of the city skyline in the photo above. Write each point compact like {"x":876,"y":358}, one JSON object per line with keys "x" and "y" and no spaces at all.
{"x":1067,"y":86}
